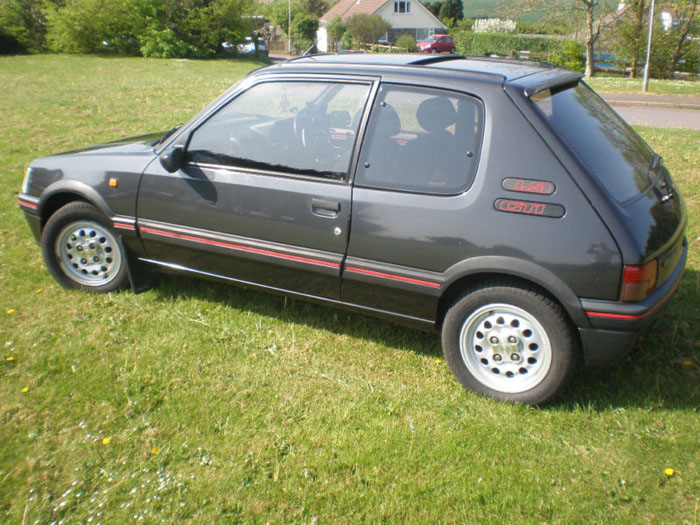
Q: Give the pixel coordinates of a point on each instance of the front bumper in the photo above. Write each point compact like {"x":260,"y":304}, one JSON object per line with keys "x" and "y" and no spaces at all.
{"x":30,"y":206}
{"x":615,"y":326}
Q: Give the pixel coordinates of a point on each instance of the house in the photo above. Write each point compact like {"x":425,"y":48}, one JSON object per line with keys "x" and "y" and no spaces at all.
{"x":404,"y":16}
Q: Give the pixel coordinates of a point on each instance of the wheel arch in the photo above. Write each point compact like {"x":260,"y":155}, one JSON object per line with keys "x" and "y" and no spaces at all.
{"x":64,"y":192}
{"x":469,"y":273}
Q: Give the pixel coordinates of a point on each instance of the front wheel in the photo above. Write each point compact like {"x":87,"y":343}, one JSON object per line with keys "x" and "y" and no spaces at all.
{"x":81,"y":250}
{"x":510,"y":342}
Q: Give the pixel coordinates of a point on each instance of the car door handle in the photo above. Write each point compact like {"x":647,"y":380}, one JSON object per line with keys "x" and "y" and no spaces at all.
{"x":325,"y":208}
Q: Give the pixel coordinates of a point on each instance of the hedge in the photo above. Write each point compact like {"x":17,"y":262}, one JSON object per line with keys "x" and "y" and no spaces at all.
{"x":568,"y":53}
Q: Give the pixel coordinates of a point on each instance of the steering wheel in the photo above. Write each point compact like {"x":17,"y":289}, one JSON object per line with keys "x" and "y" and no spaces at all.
{"x":313,"y":133}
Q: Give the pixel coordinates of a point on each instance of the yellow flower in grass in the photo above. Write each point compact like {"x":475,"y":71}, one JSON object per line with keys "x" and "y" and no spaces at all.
{"x":687,"y":362}
{"x":669,"y":472}
{"x":25,"y":390}
{"x":10,"y":359}
{"x":10,"y":311}
{"x":106,"y":441}
{"x":155,"y":451}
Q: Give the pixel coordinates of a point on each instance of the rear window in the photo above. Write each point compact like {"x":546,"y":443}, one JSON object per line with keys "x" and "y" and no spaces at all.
{"x":605,"y":143}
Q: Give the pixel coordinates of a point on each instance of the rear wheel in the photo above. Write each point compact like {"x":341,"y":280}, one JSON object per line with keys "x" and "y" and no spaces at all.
{"x":81,"y":250}
{"x":510,"y":342}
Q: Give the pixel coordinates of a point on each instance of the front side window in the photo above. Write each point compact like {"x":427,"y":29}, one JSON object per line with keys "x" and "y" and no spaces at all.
{"x":296,"y":128}
{"x":421,"y":140}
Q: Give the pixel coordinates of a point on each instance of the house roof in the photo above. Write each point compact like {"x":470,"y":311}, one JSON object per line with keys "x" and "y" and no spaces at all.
{"x":346,"y":8}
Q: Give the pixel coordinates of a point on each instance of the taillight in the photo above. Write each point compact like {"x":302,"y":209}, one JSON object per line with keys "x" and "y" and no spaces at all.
{"x":638,"y":281}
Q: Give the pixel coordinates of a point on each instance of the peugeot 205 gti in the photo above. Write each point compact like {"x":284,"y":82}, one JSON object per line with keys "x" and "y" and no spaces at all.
{"x":500,"y":202}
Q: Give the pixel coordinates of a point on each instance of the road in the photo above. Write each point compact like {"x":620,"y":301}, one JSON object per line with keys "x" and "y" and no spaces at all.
{"x":663,"y":111}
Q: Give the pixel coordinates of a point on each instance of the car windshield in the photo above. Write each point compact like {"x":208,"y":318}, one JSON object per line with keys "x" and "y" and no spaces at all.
{"x":618,"y":157}
{"x":430,"y":39}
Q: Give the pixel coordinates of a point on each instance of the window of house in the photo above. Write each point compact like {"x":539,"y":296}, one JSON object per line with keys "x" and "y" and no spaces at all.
{"x":421,"y":140}
{"x":402,"y":7}
{"x":295,"y":128}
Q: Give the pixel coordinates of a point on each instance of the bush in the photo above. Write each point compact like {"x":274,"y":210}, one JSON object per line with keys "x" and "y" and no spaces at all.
{"x":407,"y":42}
{"x":566,"y":53}
{"x":366,"y":29}
{"x":22,"y":26}
{"x":8,"y":44}
{"x":163,"y":43}
{"x":93,"y":26}
{"x":569,"y":54}
{"x":304,"y":26}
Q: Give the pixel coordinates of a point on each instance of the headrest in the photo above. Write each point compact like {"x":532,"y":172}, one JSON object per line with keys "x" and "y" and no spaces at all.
{"x":436,"y":114}
{"x":389,"y":123}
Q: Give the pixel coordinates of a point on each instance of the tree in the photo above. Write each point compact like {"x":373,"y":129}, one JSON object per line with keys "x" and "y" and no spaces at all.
{"x":315,"y":7}
{"x":452,"y":10}
{"x":367,"y":29}
{"x":688,"y":26}
{"x":278,"y":13}
{"x":336,"y":29}
{"x":24,"y":22}
{"x":595,"y":14}
{"x":93,"y":26}
{"x":304,"y":26}
{"x":630,"y":35}
{"x":434,"y":7}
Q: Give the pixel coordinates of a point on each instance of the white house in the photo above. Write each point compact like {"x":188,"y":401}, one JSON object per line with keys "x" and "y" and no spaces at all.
{"x":404,"y":16}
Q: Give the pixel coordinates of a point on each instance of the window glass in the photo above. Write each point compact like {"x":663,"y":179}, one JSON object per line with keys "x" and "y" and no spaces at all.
{"x":421,"y":140}
{"x":300,"y":128}
{"x":402,"y":7}
{"x":614,"y":153}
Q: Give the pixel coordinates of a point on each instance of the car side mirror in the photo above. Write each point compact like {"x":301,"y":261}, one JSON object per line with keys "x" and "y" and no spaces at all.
{"x":171,"y":160}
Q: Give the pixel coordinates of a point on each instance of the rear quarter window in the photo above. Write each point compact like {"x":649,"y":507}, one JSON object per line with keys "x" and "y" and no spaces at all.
{"x":613,"y":152}
{"x":421,"y":140}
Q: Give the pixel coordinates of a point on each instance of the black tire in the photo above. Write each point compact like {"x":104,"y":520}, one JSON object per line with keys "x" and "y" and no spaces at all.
{"x":510,"y":342}
{"x":82,"y":251}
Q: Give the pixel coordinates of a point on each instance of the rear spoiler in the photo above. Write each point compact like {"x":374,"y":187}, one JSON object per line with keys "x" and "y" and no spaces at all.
{"x":553,"y":79}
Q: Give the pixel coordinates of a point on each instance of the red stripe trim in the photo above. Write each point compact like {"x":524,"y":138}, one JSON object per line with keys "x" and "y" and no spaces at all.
{"x":27,"y":204}
{"x":394,"y":277}
{"x":240,"y":247}
{"x":608,"y":315}
{"x":124,"y":226}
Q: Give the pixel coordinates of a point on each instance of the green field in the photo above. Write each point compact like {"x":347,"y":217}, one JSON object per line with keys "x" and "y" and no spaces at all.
{"x":607,"y":84}
{"x":200,"y":402}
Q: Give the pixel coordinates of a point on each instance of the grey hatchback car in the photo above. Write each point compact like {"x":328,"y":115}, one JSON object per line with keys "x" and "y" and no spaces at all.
{"x":500,"y":202}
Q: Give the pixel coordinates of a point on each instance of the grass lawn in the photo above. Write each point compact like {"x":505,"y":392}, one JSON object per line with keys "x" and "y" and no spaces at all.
{"x":196,"y":401}
{"x":656,"y":86}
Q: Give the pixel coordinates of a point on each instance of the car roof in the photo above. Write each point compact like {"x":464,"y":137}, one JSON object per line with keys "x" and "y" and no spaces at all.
{"x":508,"y":70}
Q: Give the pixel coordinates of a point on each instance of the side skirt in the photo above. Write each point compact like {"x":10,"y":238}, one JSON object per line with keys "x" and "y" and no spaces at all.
{"x":407,"y":320}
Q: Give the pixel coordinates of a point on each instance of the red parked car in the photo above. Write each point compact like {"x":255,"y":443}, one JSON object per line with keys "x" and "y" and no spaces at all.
{"x":437,"y":44}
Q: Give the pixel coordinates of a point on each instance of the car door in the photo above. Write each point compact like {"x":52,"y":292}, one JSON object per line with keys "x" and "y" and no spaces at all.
{"x":411,"y":204}
{"x":262,"y":195}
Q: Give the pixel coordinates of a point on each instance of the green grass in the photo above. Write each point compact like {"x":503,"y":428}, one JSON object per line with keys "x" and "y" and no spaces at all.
{"x":656,"y":86}
{"x":227,"y":405}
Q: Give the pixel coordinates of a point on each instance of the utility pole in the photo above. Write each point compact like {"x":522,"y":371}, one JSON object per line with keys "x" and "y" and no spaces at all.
{"x":289,"y":26}
{"x":645,"y":82}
